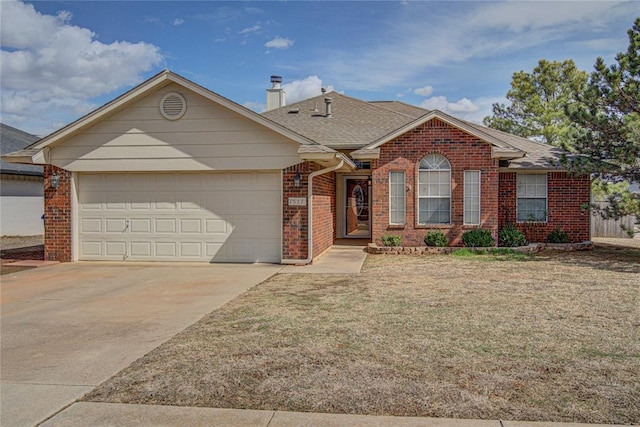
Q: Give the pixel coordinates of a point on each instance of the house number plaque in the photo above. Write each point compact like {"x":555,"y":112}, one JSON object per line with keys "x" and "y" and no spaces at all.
{"x":297,"y":201}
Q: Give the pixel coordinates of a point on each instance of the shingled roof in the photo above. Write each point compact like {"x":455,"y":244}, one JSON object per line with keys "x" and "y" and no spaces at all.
{"x":353,"y":124}
{"x":356,"y":124}
{"x":12,"y":139}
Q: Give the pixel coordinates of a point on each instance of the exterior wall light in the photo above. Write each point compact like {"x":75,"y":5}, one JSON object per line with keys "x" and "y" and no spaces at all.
{"x":297,"y":180}
{"x":55,"y":180}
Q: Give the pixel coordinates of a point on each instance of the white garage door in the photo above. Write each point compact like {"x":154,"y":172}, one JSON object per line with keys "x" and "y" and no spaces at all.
{"x":214,"y":217}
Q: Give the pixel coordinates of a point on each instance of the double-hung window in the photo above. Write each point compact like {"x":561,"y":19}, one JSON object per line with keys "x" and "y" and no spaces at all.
{"x":397,"y":202}
{"x":434,"y":190}
{"x":472,"y":197}
{"x":532,"y":197}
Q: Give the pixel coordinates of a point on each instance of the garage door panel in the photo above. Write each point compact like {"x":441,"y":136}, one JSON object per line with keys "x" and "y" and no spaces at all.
{"x":165,"y":201}
{"x":116,"y":248}
{"x":215,"y":217}
{"x":141,"y":249}
{"x":166,"y":249}
{"x":165,"y":225}
{"x":191,"y":250}
{"x":216,"y":226}
{"x":140,"y":225}
{"x":190,"y":226}
{"x":91,"y":225}
{"x":116,"y":225}
{"x":91,"y":248}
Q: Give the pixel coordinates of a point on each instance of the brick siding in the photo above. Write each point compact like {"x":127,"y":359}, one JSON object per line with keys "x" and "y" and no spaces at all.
{"x":57,"y":216}
{"x":294,"y":228}
{"x":464,"y":152}
{"x":324,"y":212}
{"x":566,"y":193}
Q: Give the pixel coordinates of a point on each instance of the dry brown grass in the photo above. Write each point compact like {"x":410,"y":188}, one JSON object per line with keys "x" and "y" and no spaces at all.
{"x":554,"y":337}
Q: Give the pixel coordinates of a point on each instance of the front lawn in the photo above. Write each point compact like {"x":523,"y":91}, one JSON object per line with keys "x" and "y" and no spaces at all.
{"x":551,"y":337}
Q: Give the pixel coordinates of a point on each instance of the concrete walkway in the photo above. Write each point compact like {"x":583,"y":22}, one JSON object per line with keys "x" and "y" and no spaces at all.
{"x":122,"y":415}
{"x":338,"y":259}
{"x":69,"y":327}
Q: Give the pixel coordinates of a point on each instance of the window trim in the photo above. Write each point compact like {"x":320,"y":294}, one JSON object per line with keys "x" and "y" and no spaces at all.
{"x":404,"y":197}
{"x":464,"y":197}
{"x":546,"y":199}
{"x":418,"y":197}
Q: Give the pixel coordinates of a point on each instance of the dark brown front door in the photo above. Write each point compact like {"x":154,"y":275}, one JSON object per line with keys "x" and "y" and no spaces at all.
{"x":357,"y":208}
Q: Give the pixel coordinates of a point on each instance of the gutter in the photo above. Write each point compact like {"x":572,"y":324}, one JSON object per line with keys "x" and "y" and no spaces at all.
{"x":312,"y":175}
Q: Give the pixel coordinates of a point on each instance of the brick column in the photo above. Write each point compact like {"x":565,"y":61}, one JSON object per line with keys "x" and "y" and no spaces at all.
{"x":57,"y":215}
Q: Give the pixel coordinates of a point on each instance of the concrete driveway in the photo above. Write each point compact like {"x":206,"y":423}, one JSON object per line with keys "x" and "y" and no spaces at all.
{"x":68,"y":327}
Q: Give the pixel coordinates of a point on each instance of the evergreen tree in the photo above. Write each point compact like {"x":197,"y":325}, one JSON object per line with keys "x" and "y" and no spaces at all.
{"x":538,"y":101}
{"x":606,"y":116}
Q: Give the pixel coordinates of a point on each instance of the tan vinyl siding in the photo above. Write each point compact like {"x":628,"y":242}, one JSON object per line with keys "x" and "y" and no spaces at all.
{"x":208,"y":137}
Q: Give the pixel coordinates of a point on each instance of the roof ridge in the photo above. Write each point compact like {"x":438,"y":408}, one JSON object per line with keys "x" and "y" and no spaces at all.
{"x":544,"y":144}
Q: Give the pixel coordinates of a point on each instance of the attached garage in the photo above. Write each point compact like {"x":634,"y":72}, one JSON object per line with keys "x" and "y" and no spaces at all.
{"x":207,"y":216}
{"x":171,"y":171}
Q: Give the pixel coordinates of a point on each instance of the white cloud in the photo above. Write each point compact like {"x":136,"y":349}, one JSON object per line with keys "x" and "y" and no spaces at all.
{"x":279,"y":43}
{"x":49,"y":65}
{"x":441,"y":103}
{"x":464,"y":108}
{"x":298,"y":90}
{"x":423,"y":91}
{"x":250,"y":29}
{"x":258,"y":107}
{"x":178,"y":21}
{"x":408,"y":48}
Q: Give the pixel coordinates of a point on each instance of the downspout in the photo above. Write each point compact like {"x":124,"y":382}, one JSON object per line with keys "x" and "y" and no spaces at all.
{"x":310,"y":214}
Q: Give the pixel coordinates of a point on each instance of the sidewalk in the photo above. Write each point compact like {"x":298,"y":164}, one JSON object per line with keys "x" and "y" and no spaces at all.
{"x":123,"y":415}
{"x":339,"y":259}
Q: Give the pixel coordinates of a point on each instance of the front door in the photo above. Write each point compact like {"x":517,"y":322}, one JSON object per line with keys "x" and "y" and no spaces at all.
{"x":357,"y":208}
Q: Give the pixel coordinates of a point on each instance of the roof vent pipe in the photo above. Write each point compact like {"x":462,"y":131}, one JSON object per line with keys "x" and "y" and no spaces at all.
{"x":327,"y":102}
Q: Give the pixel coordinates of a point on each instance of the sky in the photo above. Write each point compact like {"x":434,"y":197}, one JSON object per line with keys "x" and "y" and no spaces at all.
{"x":61,"y":60}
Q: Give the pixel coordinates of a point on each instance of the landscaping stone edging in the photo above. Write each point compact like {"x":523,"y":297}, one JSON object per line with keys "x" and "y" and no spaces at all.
{"x":374,"y":249}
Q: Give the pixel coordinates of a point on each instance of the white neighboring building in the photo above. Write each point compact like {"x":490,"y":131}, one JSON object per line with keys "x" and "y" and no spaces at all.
{"x":21,"y":188}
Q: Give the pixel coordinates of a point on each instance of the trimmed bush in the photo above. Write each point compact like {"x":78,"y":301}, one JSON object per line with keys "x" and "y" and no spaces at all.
{"x":478,"y":238}
{"x":391,"y":240}
{"x":510,"y":236}
{"x":558,"y":236}
{"x":436,"y":238}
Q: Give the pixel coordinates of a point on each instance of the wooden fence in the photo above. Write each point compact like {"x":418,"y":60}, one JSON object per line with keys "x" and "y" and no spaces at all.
{"x":601,"y":227}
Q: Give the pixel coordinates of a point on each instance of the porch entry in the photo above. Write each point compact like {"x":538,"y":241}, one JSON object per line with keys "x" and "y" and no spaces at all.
{"x":357,"y":207}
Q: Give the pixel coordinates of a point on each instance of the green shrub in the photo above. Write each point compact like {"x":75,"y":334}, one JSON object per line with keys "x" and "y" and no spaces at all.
{"x":436,"y":238}
{"x":391,"y":240}
{"x":478,"y":238}
{"x":511,"y":236}
{"x":558,"y":236}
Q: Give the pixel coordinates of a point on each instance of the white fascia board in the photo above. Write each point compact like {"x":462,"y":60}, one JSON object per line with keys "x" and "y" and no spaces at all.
{"x":331,"y":159}
{"x":506,"y":154}
{"x":366,"y":154}
{"x":27,"y":157}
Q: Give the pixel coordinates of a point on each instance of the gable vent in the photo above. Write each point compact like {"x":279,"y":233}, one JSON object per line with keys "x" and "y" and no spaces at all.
{"x":173,"y":106}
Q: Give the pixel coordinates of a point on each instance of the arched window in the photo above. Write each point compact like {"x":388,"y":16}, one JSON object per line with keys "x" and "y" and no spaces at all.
{"x":434,"y":190}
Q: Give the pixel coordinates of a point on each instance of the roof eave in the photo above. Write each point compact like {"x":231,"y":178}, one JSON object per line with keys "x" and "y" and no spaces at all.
{"x":366,"y":154}
{"x":498,"y":153}
{"x":27,"y":156}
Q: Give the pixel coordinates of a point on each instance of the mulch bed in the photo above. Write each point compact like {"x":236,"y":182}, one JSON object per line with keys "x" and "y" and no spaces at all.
{"x":22,"y":254}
